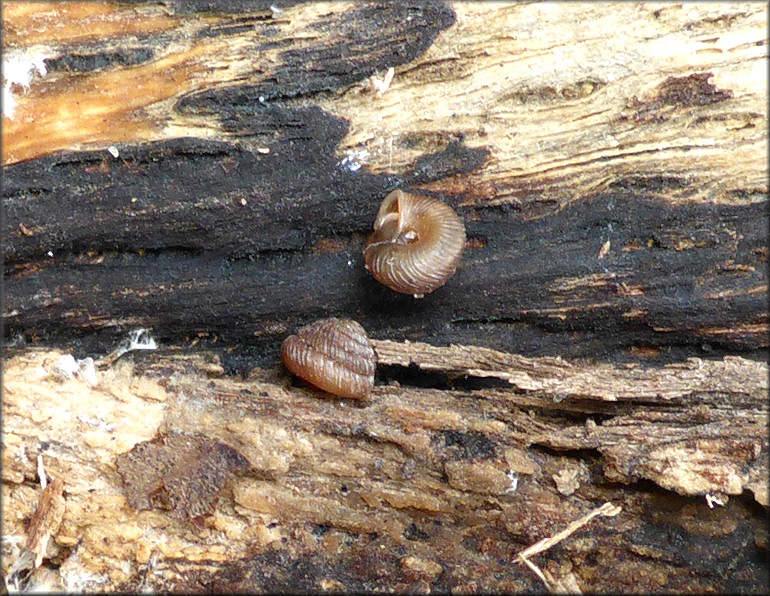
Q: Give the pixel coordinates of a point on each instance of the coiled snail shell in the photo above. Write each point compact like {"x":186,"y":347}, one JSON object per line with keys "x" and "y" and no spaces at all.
{"x":334,"y":355}
{"x":416,"y":244}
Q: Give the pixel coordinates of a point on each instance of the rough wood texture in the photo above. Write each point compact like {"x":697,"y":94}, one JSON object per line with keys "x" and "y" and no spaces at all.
{"x":416,"y":489}
{"x":211,"y":171}
{"x":613,"y":186}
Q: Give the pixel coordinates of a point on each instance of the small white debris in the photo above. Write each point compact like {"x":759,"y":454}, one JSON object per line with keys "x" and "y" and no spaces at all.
{"x":276,"y":11}
{"x":719,"y":500}
{"x":380,"y":85}
{"x":354,"y":159}
{"x":263,"y":150}
{"x":604,"y":250}
{"x":261,"y":99}
{"x":41,"y":472}
{"x":514,"y":478}
{"x":50,"y":254}
{"x":66,"y":365}
{"x":113,"y":151}
{"x":244,"y":202}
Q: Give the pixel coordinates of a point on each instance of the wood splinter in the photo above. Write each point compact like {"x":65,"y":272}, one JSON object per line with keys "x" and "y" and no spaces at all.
{"x":46,"y":519}
{"x":569,"y":584}
{"x":45,"y":523}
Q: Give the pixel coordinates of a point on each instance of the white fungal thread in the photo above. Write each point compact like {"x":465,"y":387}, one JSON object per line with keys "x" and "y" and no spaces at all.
{"x":138,"y":339}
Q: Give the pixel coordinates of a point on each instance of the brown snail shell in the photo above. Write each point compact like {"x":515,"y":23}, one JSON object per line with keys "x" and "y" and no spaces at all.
{"x":416,"y":244}
{"x":334,"y":355}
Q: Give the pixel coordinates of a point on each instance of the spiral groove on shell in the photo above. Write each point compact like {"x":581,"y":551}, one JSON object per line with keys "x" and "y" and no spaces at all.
{"x":416,"y":244}
{"x":334,"y":355}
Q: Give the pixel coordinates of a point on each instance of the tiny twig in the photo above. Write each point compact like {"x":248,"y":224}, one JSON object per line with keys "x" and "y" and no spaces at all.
{"x":607,"y":510}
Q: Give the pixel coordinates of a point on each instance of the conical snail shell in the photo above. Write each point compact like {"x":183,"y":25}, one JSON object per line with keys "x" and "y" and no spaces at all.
{"x":334,"y":355}
{"x":416,"y":244}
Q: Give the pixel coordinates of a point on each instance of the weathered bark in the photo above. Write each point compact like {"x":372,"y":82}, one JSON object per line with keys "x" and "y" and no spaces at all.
{"x":211,"y":172}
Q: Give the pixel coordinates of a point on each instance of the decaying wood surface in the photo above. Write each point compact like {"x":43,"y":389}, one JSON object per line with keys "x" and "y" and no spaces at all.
{"x":210,"y":172}
{"x":418,"y":488}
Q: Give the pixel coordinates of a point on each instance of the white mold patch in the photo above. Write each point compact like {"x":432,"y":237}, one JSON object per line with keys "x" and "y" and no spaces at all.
{"x":18,"y":70}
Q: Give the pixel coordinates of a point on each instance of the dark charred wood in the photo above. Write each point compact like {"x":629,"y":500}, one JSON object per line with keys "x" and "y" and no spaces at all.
{"x":168,"y":244}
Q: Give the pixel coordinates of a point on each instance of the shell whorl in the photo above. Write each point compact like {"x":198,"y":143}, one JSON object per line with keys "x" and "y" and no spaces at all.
{"x":334,"y":355}
{"x":416,"y":244}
